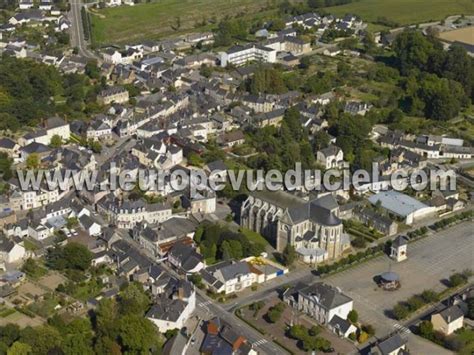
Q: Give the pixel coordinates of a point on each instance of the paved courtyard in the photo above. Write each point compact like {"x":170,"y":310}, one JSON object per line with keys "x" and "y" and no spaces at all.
{"x":430,"y":261}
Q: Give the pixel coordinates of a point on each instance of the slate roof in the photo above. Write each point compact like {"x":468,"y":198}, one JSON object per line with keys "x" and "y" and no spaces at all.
{"x":7,"y":143}
{"x":323,"y":294}
{"x":391,"y":344}
{"x":232,"y":269}
{"x":338,"y":323}
{"x":451,"y":314}
{"x":399,"y":241}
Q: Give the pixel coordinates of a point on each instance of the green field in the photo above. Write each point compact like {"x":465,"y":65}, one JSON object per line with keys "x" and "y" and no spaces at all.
{"x":405,"y":12}
{"x":154,"y":20}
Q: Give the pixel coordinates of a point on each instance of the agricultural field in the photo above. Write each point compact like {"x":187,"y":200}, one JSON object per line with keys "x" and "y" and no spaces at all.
{"x":166,"y":17}
{"x":405,"y":12}
{"x":464,"y":35}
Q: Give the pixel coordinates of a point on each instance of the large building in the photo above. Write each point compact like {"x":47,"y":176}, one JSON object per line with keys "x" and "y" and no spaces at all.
{"x":320,"y":301}
{"x":312,"y":226}
{"x":404,"y":206}
{"x":240,"y":55}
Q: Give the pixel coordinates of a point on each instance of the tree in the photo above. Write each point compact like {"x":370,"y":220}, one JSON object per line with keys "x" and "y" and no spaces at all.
{"x":41,"y":339}
{"x":274,"y":313}
{"x":194,"y":159}
{"x":106,"y":346}
{"x":277,"y":25}
{"x":205,"y":71}
{"x":305,"y":62}
{"x":95,"y":146}
{"x":32,"y":161}
{"x":298,"y":332}
{"x":429,"y":296}
{"x":19,"y":348}
{"x":425,"y":329}
{"x":72,"y":222}
{"x":289,"y":255}
{"x":9,"y":333}
{"x":106,"y":316}
{"x":92,"y":70}
{"x":5,"y":166}
{"x":134,"y":300}
{"x":267,"y":80}
{"x":413,"y":50}
{"x":77,"y":256}
{"x":56,"y":141}
{"x":137,"y":334}
{"x":73,"y":256}
{"x":353,"y":316}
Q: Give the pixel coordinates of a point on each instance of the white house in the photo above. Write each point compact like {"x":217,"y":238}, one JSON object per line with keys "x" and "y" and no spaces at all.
{"x":11,"y":250}
{"x":228,"y":276}
{"x":240,"y":55}
{"x":173,"y":307}
{"x":320,"y":301}
{"x":90,"y":226}
{"x":330,"y":157}
{"x":448,"y":320}
{"x":341,"y":327}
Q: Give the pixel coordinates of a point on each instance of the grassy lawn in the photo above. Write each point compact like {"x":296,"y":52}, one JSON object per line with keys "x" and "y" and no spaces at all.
{"x":87,"y":290}
{"x":152,"y":20}
{"x":254,"y":237}
{"x":405,"y":12}
{"x":5,"y":312}
{"x":467,"y":337}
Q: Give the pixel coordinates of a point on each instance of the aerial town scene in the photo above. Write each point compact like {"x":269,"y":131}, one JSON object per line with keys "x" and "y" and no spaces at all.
{"x":220,"y":177}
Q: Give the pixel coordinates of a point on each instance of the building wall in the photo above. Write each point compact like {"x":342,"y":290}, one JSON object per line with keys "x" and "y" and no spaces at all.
{"x":439,"y":324}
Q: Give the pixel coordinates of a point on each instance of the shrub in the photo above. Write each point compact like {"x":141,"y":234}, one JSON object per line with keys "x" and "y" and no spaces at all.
{"x":457,"y":279}
{"x":400,"y":311}
{"x":363,"y":336}
{"x":353,"y":316}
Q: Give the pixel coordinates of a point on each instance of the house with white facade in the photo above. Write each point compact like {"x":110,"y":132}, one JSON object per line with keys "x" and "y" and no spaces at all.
{"x":11,"y":250}
{"x":330,"y":157}
{"x":228,"y":276}
{"x":240,"y":55}
{"x":320,"y":301}
{"x":174,"y":306}
{"x":448,"y":321}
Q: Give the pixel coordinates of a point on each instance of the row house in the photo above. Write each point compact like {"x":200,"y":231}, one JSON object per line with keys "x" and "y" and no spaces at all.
{"x":127,"y":214}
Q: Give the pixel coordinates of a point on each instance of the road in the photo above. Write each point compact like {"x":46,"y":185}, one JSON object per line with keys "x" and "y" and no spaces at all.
{"x":430,"y":261}
{"x":210,"y":308}
{"x":77,"y":31}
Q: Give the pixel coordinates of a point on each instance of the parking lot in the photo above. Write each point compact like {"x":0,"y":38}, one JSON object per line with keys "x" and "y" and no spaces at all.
{"x":430,"y":262}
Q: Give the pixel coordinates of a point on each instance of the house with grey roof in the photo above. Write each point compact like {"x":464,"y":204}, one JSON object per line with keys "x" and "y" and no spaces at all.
{"x":320,"y":301}
{"x":174,"y":306}
{"x":394,"y":345}
{"x":341,"y":327}
{"x":185,"y":258}
{"x":228,"y":276}
{"x":11,"y":250}
{"x":448,"y":320}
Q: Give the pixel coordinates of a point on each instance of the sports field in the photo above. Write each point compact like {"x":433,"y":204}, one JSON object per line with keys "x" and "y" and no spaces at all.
{"x":165,"y":17}
{"x":405,"y":12}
